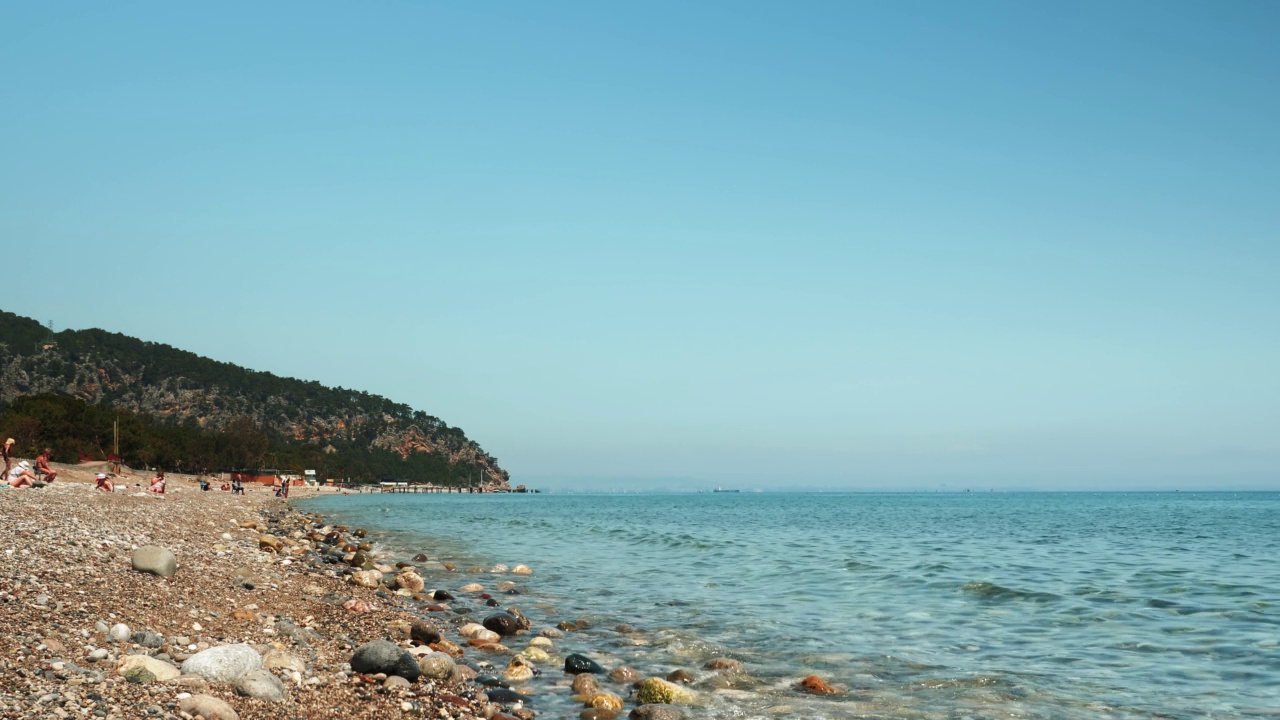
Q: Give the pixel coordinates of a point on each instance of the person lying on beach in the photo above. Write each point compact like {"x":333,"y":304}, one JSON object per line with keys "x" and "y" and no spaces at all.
{"x":225,"y":487}
{"x":105,"y":484}
{"x":21,"y":476}
{"x":42,"y":466}
{"x":157,"y":484}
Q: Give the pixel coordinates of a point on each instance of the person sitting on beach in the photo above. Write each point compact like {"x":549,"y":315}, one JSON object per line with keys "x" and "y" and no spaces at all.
{"x":104,"y":484}
{"x":42,"y":466}
{"x":237,"y":487}
{"x":157,"y":483}
{"x":283,"y":490}
{"x":204,"y":485}
{"x":225,"y":487}
{"x":21,"y":476}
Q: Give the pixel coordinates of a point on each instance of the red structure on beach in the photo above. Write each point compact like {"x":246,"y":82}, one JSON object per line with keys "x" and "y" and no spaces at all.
{"x":262,"y":477}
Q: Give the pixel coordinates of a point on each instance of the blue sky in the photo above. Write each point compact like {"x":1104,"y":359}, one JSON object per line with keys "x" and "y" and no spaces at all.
{"x":868,"y":245}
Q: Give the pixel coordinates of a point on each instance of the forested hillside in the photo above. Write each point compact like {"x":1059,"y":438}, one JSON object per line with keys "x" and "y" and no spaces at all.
{"x":184,"y":409}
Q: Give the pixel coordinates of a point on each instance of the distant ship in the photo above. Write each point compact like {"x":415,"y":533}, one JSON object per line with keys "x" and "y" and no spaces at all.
{"x":720,"y":489}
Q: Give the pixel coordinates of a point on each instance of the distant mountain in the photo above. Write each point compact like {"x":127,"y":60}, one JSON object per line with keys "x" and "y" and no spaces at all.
{"x":349,"y":432}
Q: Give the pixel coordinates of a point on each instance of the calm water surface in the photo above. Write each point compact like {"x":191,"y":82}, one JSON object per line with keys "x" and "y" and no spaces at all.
{"x":1032,"y":605}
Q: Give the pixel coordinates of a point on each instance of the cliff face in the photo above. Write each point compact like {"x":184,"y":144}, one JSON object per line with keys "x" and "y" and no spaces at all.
{"x":181,"y":388}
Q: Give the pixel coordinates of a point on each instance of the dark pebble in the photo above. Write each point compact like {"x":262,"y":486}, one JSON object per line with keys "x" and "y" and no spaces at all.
{"x":577,"y":663}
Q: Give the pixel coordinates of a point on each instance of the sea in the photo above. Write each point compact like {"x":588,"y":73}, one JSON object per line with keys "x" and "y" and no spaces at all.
{"x":926,"y":605}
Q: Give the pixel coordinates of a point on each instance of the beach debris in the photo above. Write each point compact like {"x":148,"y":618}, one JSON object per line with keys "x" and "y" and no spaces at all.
{"x":155,"y":560}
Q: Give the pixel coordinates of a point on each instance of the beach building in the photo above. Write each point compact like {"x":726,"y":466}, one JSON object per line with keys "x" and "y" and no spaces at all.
{"x":261,"y":477}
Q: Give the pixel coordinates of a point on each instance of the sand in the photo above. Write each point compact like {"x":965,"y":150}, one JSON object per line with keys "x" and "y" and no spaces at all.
{"x":66,"y":574}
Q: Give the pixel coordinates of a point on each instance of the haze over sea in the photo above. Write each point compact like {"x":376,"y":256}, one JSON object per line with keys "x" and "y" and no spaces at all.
{"x":928,"y":605}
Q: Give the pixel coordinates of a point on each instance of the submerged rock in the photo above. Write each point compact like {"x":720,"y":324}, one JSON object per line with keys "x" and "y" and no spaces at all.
{"x":657,"y":712}
{"x":816,"y":686}
{"x":722,"y":663}
{"x":578,"y":663}
{"x":504,"y":624}
{"x":654,"y":691}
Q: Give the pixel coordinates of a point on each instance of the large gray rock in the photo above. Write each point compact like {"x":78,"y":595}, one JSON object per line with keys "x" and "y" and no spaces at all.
{"x":223,"y":663}
{"x":148,"y":639}
{"x":436,"y":666}
{"x":207,"y":706}
{"x":155,"y":560}
{"x":381,"y":656}
{"x":260,"y":684}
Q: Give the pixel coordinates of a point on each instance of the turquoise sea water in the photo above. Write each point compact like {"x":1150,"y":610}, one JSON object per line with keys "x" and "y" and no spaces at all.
{"x":1026,"y":605}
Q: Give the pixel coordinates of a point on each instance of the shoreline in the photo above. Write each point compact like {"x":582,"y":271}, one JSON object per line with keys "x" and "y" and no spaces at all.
{"x":66,"y":573}
{"x":254,"y":569}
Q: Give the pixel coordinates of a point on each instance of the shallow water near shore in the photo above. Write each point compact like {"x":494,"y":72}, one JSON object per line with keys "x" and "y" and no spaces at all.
{"x":1034,"y":605}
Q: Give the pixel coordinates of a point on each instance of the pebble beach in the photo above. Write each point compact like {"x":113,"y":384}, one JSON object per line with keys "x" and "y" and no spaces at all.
{"x":79,"y":617}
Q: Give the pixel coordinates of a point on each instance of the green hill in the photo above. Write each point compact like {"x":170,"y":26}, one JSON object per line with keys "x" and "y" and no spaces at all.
{"x":181,"y":410}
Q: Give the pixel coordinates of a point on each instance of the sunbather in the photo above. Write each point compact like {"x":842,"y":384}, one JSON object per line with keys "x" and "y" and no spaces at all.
{"x":42,"y":466}
{"x":21,"y":476}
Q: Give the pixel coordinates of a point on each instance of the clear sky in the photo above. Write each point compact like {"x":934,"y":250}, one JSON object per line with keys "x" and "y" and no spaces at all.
{"x":857,"y":244}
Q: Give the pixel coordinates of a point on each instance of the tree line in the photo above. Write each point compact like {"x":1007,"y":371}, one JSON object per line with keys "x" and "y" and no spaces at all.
{"x":77,"y":430}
